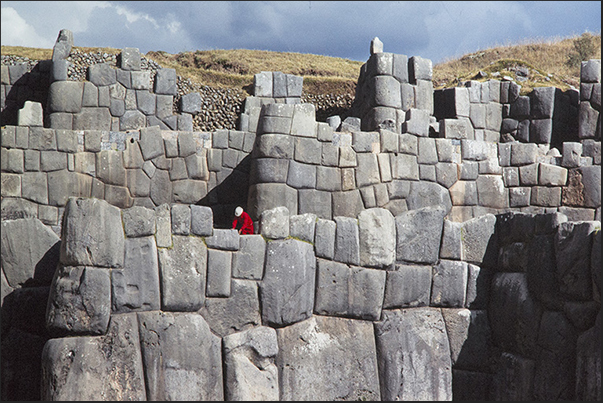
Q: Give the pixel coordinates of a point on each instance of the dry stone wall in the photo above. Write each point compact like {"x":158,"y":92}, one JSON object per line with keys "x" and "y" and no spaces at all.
{"x":397,"y":255}
{"x":308,"y":309}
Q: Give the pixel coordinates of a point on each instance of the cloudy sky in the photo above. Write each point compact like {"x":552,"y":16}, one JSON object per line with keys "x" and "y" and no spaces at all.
{"x":436,"y":30}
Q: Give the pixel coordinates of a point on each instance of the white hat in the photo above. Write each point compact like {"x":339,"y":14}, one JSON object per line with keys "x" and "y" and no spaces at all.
{"x":238,"y":211}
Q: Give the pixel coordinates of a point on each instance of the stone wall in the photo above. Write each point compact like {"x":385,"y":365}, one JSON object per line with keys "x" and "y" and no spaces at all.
{"x":145,"y":300}
{"x":395,"y":257}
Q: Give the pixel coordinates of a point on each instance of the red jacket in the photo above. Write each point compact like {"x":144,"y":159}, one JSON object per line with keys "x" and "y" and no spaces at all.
{"x":244,"y":223}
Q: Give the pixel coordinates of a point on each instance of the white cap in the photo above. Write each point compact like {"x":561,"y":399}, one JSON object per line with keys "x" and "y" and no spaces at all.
{"x":238,"y":211}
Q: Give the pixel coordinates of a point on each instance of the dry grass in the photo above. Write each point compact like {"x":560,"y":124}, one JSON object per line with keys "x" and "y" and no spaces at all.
{"x":236,"y":68}
{"x":544,"y":58}
{"x":550,"y":62}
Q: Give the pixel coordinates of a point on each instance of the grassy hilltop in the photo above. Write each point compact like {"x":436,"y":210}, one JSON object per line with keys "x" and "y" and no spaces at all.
{"x":551,"y":62}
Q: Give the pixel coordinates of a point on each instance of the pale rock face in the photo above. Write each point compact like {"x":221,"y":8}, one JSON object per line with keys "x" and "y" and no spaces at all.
{"x":376,"y":46}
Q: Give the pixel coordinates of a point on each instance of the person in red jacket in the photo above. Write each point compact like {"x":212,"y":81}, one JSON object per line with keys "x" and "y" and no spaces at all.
{"x":242,"y":222}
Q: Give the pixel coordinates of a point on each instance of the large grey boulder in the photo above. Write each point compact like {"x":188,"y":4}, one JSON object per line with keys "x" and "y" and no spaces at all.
{"x":181,"y":356}
{"x":408,"y":286}
{"x":470,"y":338}
{"x":79,"y":302}
{"x":101,"y":74}
{"x":136,"y":286}
{"x":219,"y":269}
{"x":31,"y":114}
{"x":236,"y":313}
{"x":514,"y":313}
{"x":588,"y":363}
{"x":418,"y":235}
{"x":377,"y":232}
{"x":324,"y":238}
{"x":479,"y":241}
{"x":183,"y":271}
{"x":274,"y":223}
{"x":248,"y":261}
{"x":512,"y":378}
{"x":326,"y":358}
{"x":139,"y":221}
{"x":88,"y":368}
{"x":225,"y":239}
{"x":287,"y":291}
{"x":573,"y":245}
{"x":424,"y":194}
{"x":449,"y":284}
{"x":65,"y":96}
{"x":63,"y":45}
{"x":130,"y":60}
{"x":302,"y":226}
{"x":553,"y":378}
{"x":92,"y":234}
{"x":347,"y":240}
{"x":413,"y":353}
{"x":30,"y":252}
{"x":250,"y":371}
{"x":166,"y":83}
{"x":353,"y":292}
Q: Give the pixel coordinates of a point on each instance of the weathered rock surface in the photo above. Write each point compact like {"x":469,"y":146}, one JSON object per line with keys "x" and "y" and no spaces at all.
{"x":250,"y":371}
{"x":181,"y":356}
{"x":349,"y":373}
{"x":287,"y":291}
{"x":105,"y":367}
{"x":413,"y":355}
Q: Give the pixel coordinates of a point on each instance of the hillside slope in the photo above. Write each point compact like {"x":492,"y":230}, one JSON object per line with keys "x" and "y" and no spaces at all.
{"x":549,"y":62}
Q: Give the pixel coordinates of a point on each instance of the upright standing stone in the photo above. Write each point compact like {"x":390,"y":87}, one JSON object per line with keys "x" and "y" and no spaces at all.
{"x":347,"y":243}
{"x":93,"y":234}
{"x":418,"y":234}
{"x":62,"y":46}
{"x":287,"y":291}
{"x":376,"y":46}
{"x":181,"y":356}
{"x":183,"y":271}
{"x":79,"y":302}
{"x":377,"y":233}
{"x":250,"y":371}
{"x":413,"y":353}
{"x":326,"y":358}
{"x":86,"y":368}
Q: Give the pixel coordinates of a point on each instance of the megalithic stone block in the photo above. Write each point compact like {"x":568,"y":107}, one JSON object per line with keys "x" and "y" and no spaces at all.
{"x":79,"y":302}
{"x":419,"y":69}
{"x":176,"y":348}
{"x":418,"y":234}
{"x":262,"y":84}
{"x":542,"y":102}
{"x":31,"y":114}
{"x":101,"y":74}
{"x":63,"y":45}
{"x":30,"y":251}
{"x":75,"y":368}
{"x":376,"y":46}
{"x":408,"y":338}
{"x":130,"y":59}
{"x":136,"y":287}
{"x":253,"y":378}
{"x":287,"y":290}
{"x":92,"y":235}
{"x":65,"y":96}
{"x":306,"y":376}
{"x":166,"y":82}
